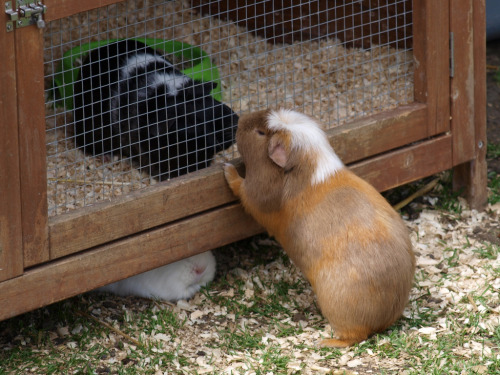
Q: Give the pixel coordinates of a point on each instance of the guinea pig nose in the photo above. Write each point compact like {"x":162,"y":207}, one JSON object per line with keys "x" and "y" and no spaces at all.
{"x":199,"y":270}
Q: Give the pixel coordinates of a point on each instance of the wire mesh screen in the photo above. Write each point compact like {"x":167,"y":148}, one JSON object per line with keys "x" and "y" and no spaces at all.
{"x":145,"y":91}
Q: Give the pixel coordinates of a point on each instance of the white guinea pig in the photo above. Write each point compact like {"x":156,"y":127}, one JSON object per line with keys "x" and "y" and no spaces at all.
{"x":347,"y":240}
{"x":172,"y":282}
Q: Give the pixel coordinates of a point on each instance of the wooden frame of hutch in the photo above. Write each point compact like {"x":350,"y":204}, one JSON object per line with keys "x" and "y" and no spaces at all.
{"x":43,"y":260}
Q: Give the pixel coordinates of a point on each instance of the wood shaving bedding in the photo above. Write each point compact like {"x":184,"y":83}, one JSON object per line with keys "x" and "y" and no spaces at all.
{"x":445,"y":296}
{"x":322,"y":78}
{"x":259,"y":316}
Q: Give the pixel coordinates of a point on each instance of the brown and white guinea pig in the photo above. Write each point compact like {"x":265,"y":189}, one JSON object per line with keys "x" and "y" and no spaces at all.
{"x":350,"y":244}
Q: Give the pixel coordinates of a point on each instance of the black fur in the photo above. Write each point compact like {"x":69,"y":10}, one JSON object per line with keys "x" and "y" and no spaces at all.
{"x":127,"y":112}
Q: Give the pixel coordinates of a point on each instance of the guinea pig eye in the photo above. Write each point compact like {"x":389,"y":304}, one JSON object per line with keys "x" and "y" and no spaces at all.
{"x":260,"y":132}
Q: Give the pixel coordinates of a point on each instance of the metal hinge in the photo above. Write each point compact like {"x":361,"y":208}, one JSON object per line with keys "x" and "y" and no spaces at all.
{"x":452,"y":56}
{"x":25,"y":13}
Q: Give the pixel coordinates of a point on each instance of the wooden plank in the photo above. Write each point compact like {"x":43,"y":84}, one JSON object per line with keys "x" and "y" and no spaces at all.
{"x":57,"y":9}
{"x":379,"y":133}
{"x":432,"y":62}
{"x":406,"y":165}
{"x":31,"y":115}
{"x":85,"y":271}
{"x":138,"y":211}
{"x":472,"y":175}
{"x":11,"y":254}
{"x":206,"y":189}
{"x":462,"y":83}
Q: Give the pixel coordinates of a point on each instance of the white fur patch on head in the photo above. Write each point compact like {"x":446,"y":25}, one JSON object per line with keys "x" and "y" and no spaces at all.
{"x":173,"y":81}
{"x":307,"y":135}
{"x":140,"y":60}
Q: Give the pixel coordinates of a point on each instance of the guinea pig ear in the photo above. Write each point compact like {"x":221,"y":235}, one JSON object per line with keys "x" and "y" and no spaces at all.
{"x":277,"y":151}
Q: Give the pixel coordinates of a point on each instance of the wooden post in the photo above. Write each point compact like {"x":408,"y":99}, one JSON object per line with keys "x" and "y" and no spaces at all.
{"x":11,"y":251}
{"x":471,"y":175}
{"x":462,"y":82}
{"x":432,"y":62}
{"x":33,"y":168}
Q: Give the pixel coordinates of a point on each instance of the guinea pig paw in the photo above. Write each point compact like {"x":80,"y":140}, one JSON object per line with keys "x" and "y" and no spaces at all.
{"x":233,"y":179}
{"x":334,"y":343}
{"x":230,"y":171}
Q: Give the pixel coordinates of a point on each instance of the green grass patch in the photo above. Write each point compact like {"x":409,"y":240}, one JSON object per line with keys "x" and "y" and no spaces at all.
{"x":487,"y":251}
{"x":493,"y":152}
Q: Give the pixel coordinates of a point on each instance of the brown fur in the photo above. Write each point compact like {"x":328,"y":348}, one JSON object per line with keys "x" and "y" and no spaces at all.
{"x":347,"y":240}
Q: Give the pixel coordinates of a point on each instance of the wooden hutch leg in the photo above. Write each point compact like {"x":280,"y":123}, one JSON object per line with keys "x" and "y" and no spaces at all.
{"x":472,"y":175}
{"x":472,"y":178}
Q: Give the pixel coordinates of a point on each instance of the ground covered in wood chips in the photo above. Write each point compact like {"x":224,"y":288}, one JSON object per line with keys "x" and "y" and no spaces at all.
{"x":259,"y":316}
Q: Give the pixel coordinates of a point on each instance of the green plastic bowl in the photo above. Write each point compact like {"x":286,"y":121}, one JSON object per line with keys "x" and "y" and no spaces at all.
{"x":202,"y":70}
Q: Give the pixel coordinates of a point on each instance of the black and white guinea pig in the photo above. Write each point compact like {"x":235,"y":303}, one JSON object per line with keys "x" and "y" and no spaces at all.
{"x":131,"y":102}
